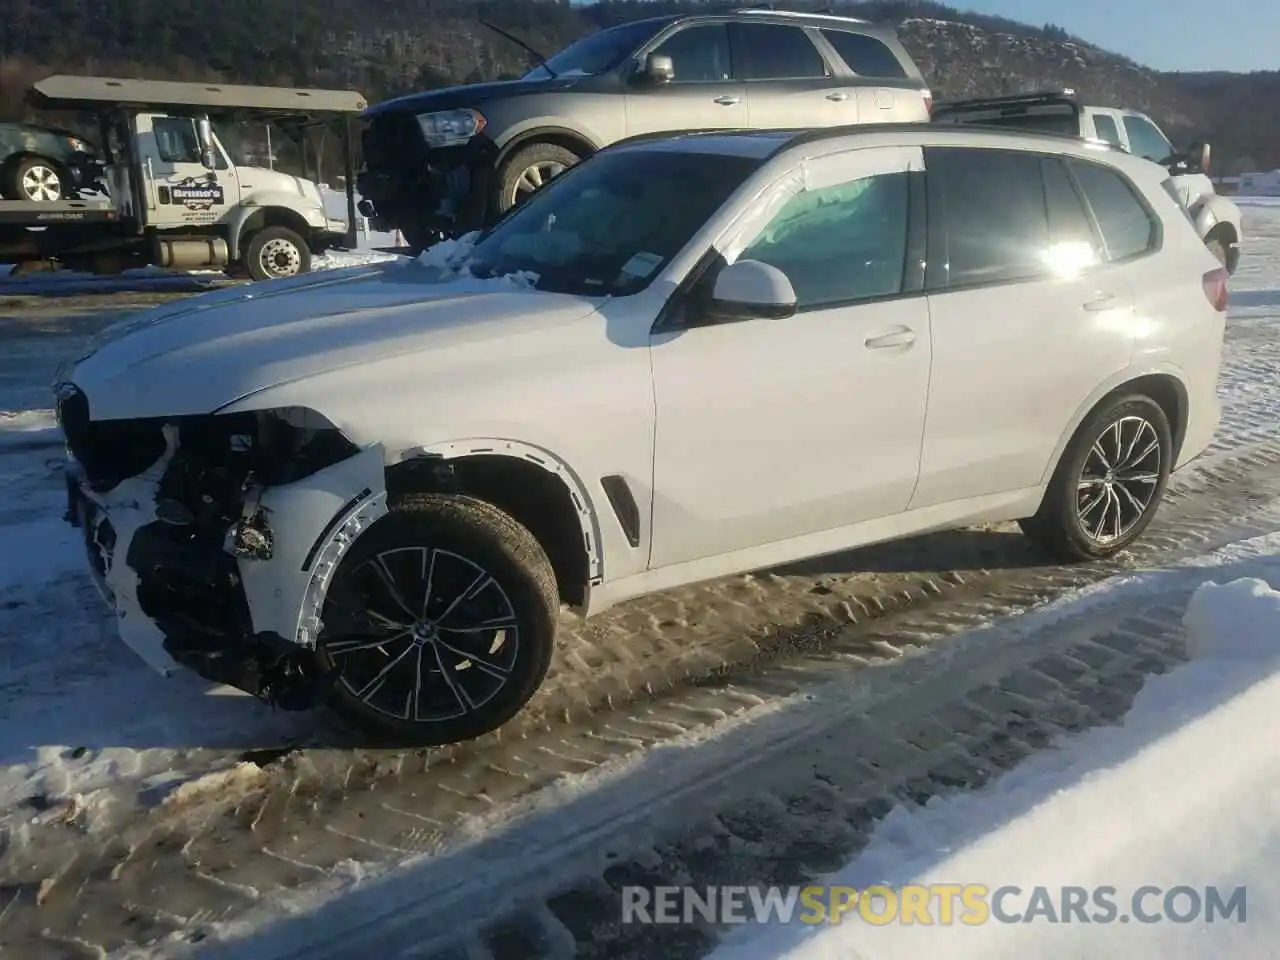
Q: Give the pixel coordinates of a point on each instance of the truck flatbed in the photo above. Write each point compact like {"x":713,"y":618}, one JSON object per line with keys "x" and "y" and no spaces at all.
{"x":31,"y":213}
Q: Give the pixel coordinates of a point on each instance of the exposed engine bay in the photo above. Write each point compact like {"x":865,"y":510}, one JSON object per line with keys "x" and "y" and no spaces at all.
{"x":208,"y":535}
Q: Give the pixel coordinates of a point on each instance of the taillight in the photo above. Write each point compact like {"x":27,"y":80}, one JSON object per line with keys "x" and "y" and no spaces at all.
{"x":1215,"y":289}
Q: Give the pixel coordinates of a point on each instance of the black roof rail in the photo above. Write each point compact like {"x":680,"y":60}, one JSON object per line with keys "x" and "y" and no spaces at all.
{"x":818,"y":134}
{"x":1029,"y":98}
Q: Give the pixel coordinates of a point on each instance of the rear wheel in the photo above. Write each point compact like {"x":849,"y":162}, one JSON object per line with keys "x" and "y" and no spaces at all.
{"x":440,"y":622}
{"x":276,"y":252}
{"x":1109,"y":482}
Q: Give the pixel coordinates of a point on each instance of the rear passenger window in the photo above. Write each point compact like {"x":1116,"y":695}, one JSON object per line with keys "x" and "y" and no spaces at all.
{"x":1127,"y":228}
{"x":768,"y":51}
{"x":990,"y":207}
{"x":1107,"y":129}
{"x":864,"y":55}
{"x":1070,"y":231}
{"x":698,"y":53}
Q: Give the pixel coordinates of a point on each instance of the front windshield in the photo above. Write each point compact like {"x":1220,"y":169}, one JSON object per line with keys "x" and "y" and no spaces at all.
{"x":609,"y":225}
{"x":600,"y":51}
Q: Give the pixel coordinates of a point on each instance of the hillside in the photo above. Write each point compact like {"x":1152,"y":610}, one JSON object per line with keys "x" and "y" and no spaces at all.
{"x":383,"y":47}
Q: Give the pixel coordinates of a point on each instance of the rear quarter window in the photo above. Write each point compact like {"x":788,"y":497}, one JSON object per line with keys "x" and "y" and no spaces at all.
{"x":1128,"y":227}
{"x":866,"y":56}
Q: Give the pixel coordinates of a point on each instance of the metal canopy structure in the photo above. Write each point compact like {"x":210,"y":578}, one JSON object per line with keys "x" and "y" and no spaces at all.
{"x":68,"y":92}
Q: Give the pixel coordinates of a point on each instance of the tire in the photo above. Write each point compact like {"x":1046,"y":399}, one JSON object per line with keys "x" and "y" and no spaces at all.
{"x":34,"y":179}
{"x":542,"y":161}
{"x":276,"y":252}
{"x":458,"y":542}
{"x":1066,"y":524}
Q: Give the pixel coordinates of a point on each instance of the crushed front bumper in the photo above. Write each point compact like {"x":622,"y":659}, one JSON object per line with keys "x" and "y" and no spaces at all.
{"x":268,"y":603}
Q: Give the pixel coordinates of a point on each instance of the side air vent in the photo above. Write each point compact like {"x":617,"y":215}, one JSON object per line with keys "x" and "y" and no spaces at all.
{"x":624,"y":506}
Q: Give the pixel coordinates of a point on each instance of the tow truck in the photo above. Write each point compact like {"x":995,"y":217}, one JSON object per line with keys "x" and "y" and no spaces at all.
{"x":177,"y":195}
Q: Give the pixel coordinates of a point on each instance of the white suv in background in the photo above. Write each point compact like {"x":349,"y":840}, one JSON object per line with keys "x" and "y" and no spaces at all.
{"x":684,"y":358}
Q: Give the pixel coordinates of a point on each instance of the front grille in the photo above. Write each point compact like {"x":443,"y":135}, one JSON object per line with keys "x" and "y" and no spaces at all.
{"x":109,"y":451}
{"x":393,"y":143}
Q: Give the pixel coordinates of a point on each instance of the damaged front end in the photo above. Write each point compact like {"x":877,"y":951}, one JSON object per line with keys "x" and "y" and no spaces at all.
{"x":214,"y":537}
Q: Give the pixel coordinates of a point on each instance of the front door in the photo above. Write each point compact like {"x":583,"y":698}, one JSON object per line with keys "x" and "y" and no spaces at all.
{"x":180,"y":191}
{"x":702,"y":96}
{"x":769,"y":430}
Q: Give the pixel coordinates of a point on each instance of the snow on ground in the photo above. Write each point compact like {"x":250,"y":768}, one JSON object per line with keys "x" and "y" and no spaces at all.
{"x":78,"y":711}
{"x":1184,"y":793}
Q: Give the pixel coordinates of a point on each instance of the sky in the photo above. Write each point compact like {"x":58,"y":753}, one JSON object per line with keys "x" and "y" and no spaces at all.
{"x":1237,"y":35}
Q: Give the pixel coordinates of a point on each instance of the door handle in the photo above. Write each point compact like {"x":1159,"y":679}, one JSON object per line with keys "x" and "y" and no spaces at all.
{"x":837,"y":95}
{"x":901,"y":337}
{"x":726,"y":100}
{"x":1102,"y":302}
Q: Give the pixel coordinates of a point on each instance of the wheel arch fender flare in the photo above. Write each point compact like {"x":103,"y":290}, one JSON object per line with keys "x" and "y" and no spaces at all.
{"x":584,"y":506}
{"x":1130,"y":380}
{"x":540,"y":132}
{"x":248,"y":219}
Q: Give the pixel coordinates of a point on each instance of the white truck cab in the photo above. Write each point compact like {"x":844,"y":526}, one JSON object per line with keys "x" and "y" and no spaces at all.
{"x":1216,"y":217}
{"x":267,"y":218}
{"x":186,"y":187}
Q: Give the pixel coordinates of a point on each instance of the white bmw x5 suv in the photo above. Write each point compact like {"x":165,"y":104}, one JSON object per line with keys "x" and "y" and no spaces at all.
{"x":685,"y":358}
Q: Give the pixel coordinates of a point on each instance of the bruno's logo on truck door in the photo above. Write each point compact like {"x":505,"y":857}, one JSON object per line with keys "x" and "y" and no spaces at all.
{"x":197,"y":194}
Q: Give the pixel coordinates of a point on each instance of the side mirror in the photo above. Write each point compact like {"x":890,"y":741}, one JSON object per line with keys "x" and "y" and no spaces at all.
{"x":1198,"y":156}
{"x":659,"y":68}
{"x":204,"y":133}
{"x":751,"y":290}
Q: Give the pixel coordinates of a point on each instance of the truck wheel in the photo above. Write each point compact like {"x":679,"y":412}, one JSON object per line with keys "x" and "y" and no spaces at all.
{"x":276,"y":252}
{"x":33,"y":179}
{"x":439,"y":623}
{"x":528,"y":169}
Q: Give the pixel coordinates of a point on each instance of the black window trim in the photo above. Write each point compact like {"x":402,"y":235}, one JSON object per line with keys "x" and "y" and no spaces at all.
{"x":1154,"y":245}
{"x":806,"y":30}
{"x":671,"y":318}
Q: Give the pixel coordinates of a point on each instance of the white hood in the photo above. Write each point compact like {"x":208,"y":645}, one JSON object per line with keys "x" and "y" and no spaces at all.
{"x":201,"y":354}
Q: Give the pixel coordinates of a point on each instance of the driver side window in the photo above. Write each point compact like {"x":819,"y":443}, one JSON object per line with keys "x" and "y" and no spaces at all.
{"x":700,"y":54}
{"x":176,"y":139}
{"x":840,"y":244}
{"x":178,"y":142}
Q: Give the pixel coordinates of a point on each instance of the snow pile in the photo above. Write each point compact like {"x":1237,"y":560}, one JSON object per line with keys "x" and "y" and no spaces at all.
{"x":1185,"y":793}
{"x":449,"y":257}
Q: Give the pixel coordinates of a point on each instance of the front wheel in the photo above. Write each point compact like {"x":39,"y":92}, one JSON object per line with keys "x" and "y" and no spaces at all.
{"x":528,"y":170}
{"x":440,"y":622}
{"x":275,"y":253}
{"x":1108,"y":484}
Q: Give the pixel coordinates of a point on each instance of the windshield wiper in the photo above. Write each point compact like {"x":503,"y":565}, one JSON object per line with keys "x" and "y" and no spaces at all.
{"x":542,"y":61}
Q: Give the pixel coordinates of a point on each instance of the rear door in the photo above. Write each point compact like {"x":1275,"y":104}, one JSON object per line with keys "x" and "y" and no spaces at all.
{"x":704,"y":94}
{"x":1028,"y":318}
{"x":787,"y":79}
{"x":887,"y":92}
